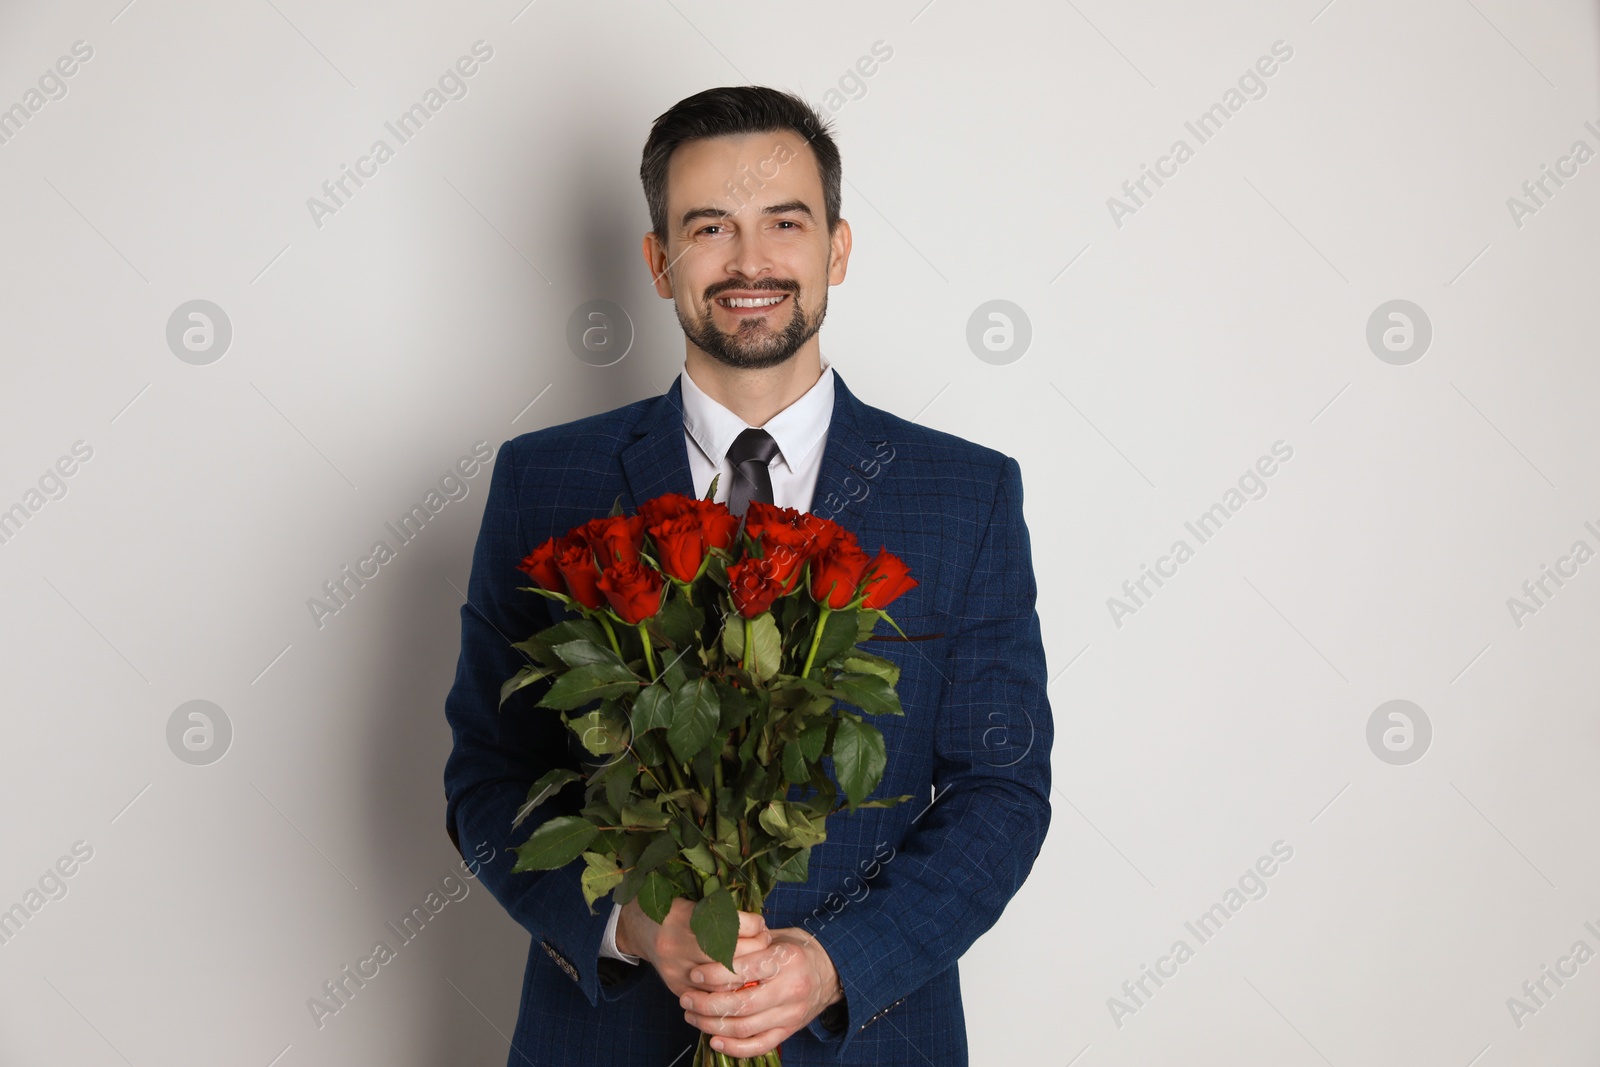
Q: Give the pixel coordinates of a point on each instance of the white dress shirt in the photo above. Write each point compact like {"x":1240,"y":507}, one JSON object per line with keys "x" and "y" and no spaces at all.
{"x":709,"y":430}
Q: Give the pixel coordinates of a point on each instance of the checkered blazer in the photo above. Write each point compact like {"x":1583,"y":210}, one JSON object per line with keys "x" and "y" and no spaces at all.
{"x":895,"y":895}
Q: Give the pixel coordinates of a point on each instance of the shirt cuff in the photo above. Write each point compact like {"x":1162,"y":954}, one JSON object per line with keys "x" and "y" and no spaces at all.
{"x":608,"y":943}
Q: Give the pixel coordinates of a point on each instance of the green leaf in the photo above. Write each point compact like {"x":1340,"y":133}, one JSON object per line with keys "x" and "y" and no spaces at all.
{"x":791,"y":826}
{"x":859,"y":662}
{"x":545,"y":788}
{"x":858,"y":758}
{"x":523,"y":678}
{"x":660,"y":849}
{"x":556,"y":843}
{"x":715,"y":923}
{"x":601,"y":731}
{"x":582,"y":652}
{"x":600,"y":876}
{"x":673,"y":674}
{"x":652,"y":709}
{"x":766,"y":649}
{"x":676,"y":621}
{"x":838,"y":634}
{"x":568,"y":630}
{"x":700,"y":858}
{"x":869,"y":692}
{"x":884,"y":802}
{"x":866,"y":622}
{"x":592,"y":681}
{"x":794,"y":764}
{"x":650,"y":748}
{"x":656,"y":896}
{"x":537,"y":647}
{"x":620,"y":778}
{"x":733,"y":636}
{"x":734,"y":708}
{"x":643,"y":816}
{"x":813,"y":739}
{"x":694,"y":718}
{"x":793,"y":868}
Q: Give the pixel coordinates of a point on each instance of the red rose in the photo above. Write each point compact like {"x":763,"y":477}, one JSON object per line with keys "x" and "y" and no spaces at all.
{"x":634,"y":590}
{"x":614,"y":539}
{"x":664,"y":507}
{"x":717,"y":523}
{"x":807,"y":533}
{"x":540,"y":565}
{"x":754,"y":585}
{"x":788,"y":537}
{"x":575,"y":560}
{"x":888,"y":578}
{"x":680,"y":546}
{"x":837,"y":570}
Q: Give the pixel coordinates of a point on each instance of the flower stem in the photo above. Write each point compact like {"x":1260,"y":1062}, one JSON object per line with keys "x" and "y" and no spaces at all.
{"x":612,"y":634}
{"x":744,"y":660}
{"x":649,"y":656}
{"x":816,"y":639}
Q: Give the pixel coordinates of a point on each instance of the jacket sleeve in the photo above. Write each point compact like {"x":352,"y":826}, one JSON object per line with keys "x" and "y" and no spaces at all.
{"x":965,"y":857}
{"x":498,"y":754}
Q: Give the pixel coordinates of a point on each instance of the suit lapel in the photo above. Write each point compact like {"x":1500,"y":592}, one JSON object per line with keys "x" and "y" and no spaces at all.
{"x":839,"y":482}
{"x":658,"y":460}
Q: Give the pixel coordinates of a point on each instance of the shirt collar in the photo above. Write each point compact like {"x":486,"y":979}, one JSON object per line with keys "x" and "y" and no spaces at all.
{"x":797,"y":429}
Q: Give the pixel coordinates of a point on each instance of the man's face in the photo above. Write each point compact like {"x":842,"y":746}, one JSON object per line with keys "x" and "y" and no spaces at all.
{"x":748,"y":258}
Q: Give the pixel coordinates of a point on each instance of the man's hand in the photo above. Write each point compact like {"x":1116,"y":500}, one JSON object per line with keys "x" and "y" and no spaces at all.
{"x":795,"y":980}
{"x":671,"y":947}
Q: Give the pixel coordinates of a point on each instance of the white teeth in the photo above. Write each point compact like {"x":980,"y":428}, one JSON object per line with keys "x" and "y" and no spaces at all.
{"x":761,"y":302}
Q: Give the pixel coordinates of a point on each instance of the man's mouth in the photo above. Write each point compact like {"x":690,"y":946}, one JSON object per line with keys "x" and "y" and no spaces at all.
{"x":752,"y":303}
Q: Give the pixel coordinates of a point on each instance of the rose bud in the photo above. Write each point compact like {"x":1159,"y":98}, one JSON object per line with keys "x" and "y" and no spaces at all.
{"x":614,"y":538}
{"x":719,"y":525}
{"x":753,"y":586}
{"x":540,"y":565}
{"x":887,"y":579}
{"x":836,"y":572}
{"x":664,"y":507}
{"x":575,"y":560}
{"x":680,"y":546}
{"x":633,"y":589}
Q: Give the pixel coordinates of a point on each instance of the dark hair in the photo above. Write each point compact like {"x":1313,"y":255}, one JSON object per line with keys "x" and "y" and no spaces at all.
{"x":735,"y":109}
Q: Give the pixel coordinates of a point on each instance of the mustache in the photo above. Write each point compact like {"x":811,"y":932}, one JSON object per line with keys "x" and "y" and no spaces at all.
{"x":773,"y":285}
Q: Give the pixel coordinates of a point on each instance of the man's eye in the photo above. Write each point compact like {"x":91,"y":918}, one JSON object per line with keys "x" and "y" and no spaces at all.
{"x":706,"y":229}
{"x":787,"y":222}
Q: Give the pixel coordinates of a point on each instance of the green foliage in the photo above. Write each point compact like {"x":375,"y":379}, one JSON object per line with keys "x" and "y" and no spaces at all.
{"x":711,"y":779}
{"x":715,"y":923}
{"x":556,"y":843}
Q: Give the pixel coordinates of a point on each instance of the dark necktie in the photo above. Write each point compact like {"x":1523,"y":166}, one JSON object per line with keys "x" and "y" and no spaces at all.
{"x":749,"y":455}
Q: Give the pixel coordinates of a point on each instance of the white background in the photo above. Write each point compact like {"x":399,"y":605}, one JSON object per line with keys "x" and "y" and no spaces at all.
{"x":1229,"y":312}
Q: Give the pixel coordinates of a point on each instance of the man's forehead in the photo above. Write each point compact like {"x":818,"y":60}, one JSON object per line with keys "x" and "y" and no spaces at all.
{"x":710,"y":166}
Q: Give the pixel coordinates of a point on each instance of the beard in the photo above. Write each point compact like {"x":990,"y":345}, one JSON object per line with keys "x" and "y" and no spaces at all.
{"x":755,"y":345}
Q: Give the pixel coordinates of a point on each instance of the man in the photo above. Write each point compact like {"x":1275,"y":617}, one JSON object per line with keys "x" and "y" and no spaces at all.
{"x":858,"y":964}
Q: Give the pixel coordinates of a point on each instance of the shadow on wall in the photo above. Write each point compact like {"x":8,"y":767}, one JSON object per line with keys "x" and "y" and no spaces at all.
{"x":472,"y":943}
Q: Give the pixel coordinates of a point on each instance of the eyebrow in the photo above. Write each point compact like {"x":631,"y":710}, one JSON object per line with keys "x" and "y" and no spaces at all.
{"x":797,"y":207}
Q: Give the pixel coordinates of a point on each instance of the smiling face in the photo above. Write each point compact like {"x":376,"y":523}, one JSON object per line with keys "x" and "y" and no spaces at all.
{"x":748,"y":258}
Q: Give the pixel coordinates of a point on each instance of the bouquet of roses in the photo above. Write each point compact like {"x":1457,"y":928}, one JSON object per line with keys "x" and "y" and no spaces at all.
{"x":710,"y":670}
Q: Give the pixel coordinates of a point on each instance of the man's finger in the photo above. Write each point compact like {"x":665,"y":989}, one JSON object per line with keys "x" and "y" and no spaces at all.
{"x":748,"y":945}
{"x":751,"y":924}
{"x":750,"y":1047}
{"x":714,"y":977}
{"x":747,"y":1002}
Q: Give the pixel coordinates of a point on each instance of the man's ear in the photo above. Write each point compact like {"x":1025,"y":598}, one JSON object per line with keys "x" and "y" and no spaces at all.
{"x":838,"y":252}
{"x":655,"y":259}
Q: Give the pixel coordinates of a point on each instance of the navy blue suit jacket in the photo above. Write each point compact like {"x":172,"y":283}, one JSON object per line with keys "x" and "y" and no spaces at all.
{"x":895,"y":895}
